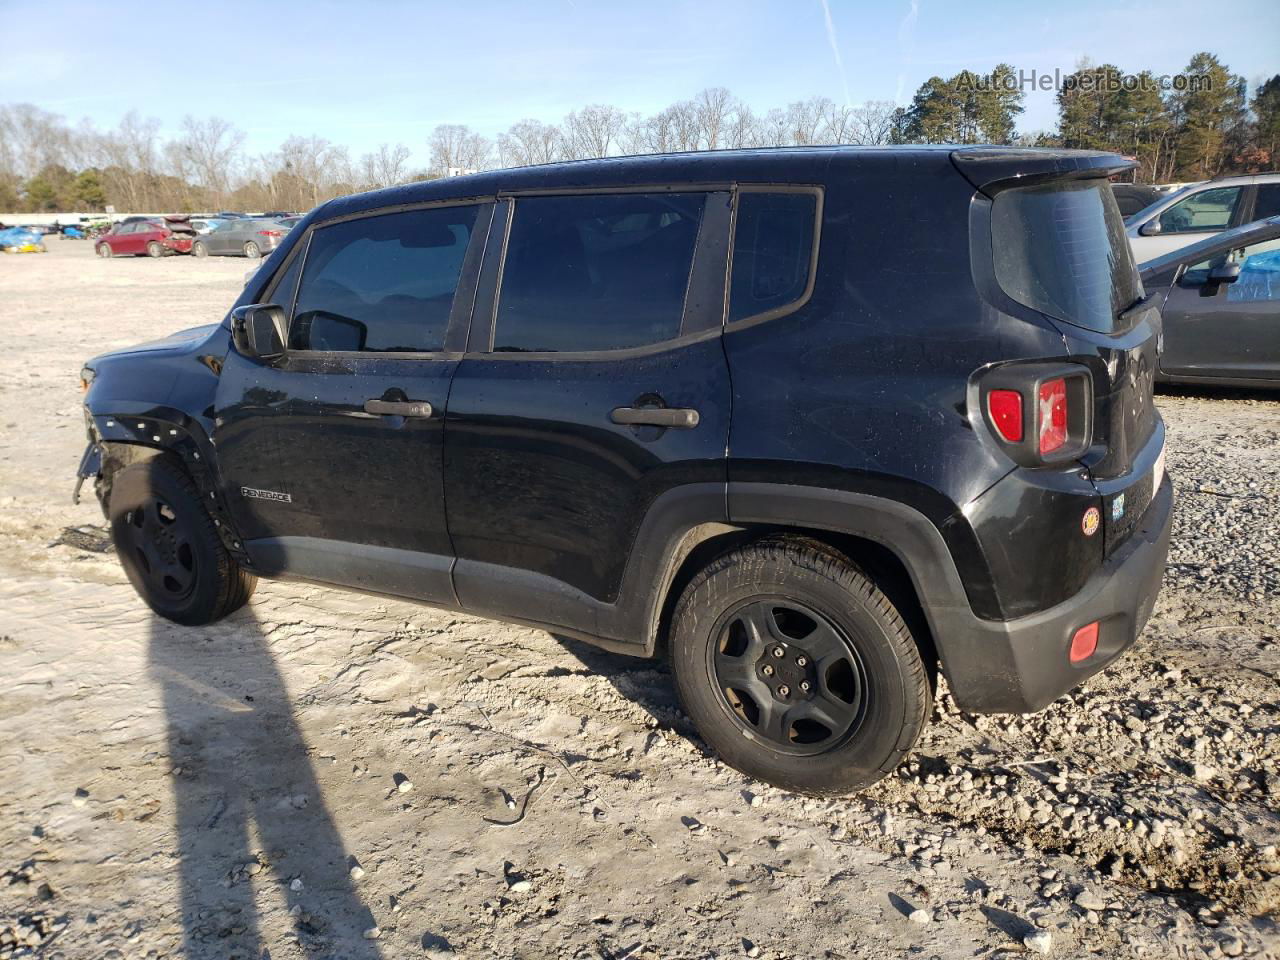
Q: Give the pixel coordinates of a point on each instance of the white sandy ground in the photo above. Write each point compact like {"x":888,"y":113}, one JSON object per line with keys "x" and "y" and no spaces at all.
{"x":205,"y":793}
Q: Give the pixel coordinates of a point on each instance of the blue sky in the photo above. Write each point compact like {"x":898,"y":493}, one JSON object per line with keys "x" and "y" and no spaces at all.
{"x":363,"y":73}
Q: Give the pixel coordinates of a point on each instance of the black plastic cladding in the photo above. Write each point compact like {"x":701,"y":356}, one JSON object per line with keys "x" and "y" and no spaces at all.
{"x":540,"y":509}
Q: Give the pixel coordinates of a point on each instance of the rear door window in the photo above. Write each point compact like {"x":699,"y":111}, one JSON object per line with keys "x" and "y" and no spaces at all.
{"x":773,"y":250}
{"x":596,"y":272}
{"x":382,"y":283}
{"x":1268,"y":202}
{"x":1207,"y":210}
{"x":1060,"y":248}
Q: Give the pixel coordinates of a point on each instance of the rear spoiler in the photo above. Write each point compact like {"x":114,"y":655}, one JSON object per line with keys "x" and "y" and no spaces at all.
{"x":991,"y":168}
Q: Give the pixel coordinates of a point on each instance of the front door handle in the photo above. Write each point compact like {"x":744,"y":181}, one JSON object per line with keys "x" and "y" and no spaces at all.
{"x":399,"y":408}
{"x":655,"y":417}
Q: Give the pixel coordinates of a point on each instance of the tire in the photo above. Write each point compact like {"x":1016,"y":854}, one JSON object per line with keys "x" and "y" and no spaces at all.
{"x":155,"y":250}
{"x":252,"y":250}
{"x":169,"y":547}
{"x":768,"y":619}
{"x":105,"y":251}
{"x":199,"y":249}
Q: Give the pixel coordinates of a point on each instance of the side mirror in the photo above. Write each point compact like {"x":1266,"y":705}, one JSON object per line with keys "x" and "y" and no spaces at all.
{"x":1151,"y":228}
{"x":1226,"y":272}
{"x":258,"y":330}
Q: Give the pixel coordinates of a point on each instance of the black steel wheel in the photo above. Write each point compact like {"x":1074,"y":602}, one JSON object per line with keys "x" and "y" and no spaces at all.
{"x":161,"y":547}
{"x":788,"y":674}
{"x":169,"y":546}
{"x":797,"y":669}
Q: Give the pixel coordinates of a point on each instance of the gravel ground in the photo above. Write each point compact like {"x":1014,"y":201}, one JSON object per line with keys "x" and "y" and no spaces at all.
{"x":331,"y":775}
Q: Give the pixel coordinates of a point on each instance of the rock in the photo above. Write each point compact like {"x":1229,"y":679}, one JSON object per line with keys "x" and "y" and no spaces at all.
{"x":1088,"y":901}
{"x":1038,"y":941}
{"x":520,"y":886}
{"x":919,"y":916}
{"x":1202,"y":772}
{"x":403,"y":783}
{"x":373,"y":933}
{"x":357,"y":872}
{"x":295,"y":884}
{"x":80,"y":797}
{"x":1232,"y":946}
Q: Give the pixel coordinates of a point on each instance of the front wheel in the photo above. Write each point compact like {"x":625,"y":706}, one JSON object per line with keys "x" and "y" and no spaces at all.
{"x":105,"y":251}
{"x":169,"y":548}
{"x":797,"y":669}
{"x":252,"y":250}
{"x":155,"y":250}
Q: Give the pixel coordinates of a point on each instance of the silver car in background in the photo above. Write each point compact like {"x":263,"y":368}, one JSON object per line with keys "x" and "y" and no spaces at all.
{"x":252,"y":238}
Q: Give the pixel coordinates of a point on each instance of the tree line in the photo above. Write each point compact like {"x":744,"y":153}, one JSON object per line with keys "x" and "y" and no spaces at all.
{"x":1187,"y":131}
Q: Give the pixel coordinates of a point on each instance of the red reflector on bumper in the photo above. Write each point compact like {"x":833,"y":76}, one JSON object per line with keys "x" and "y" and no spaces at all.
{"x":1084,"y":643}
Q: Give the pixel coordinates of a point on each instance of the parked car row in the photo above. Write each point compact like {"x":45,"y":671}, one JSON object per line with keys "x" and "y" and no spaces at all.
{"x":235,"y":236}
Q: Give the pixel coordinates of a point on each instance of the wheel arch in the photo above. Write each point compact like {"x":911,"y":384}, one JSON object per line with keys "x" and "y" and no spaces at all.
{"x":896,"y":545}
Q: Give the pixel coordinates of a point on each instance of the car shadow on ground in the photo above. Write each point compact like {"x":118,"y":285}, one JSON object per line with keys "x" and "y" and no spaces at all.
{"x":253,"y":829}
{"x":649,"y":683}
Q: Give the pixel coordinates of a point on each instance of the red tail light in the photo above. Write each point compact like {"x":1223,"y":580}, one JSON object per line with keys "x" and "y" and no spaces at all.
{"x":270,"y":233}
{"x":1052,"y":415}
{"x":1005,"y":408}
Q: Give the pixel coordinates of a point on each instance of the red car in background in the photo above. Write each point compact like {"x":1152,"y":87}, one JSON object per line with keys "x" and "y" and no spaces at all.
{"x":155,"y":238}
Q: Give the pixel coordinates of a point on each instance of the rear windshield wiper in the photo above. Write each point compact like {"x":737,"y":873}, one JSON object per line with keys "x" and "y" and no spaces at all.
{"x":1130,"y":312}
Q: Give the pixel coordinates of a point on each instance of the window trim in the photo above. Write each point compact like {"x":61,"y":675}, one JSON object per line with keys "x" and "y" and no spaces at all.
{"x":785,"y":309}
{"x":481,"y":346}
{"x":468,"y":281}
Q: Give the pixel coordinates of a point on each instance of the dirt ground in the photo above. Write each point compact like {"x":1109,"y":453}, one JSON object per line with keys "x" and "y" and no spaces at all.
{"x":331,"y":775}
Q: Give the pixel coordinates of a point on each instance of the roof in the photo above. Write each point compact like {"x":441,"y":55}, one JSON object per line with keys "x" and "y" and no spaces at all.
{"x":760,"y":165}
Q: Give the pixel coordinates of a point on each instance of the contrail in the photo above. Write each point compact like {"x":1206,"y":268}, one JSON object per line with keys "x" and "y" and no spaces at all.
{"x":835,"y":51}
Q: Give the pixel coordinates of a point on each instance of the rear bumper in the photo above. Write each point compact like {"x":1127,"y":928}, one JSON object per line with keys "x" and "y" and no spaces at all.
{"x":1022,"y":665}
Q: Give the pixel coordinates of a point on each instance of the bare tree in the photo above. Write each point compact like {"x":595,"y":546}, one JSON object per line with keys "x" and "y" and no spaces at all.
{"x":593,"y":131}
{"x":455,"y":147}
{"x":529,"y":142}
{"x":873,"y":123}
{"x":713,"y":110}
{"x":804,"y":120}
{"x":386,"y":167}
{"x":212,"y":149}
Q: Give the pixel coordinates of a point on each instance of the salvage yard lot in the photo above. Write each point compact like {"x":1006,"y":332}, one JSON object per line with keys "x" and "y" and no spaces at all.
{"x":326,"y":774}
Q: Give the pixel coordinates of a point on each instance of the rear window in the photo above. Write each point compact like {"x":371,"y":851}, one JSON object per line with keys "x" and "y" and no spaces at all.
{"x":772,"y":252}
{"x":1061,"y":249}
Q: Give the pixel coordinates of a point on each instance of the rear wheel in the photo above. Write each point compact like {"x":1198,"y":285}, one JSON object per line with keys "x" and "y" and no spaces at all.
{"x":154,"y":249}
{"x":169,"y":547}
{"x":797,"y":669}
{"x":105,"y":251}
{"x":252,"y":250}
{"x":199,"y":249}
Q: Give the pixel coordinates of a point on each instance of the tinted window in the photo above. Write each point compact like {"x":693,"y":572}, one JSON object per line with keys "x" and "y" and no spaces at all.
{"x":772,"y":251}
{"x":382,"y":283}
{"x":597,"y":272}
{"x":286,"y":283}
{"x":1268,"y":202}
{"x":1061,"y":249}
{"x":1206,"y":210}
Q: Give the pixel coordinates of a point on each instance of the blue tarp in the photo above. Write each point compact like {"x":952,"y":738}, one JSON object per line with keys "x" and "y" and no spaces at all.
{"x":18,"y":237}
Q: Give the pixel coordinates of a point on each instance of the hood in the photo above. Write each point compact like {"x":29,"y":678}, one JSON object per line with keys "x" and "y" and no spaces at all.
{"x":180,"y":342}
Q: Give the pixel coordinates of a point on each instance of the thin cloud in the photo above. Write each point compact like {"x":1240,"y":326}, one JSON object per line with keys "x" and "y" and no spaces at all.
{"x":835,"y":50}
{"x":906,"y":43}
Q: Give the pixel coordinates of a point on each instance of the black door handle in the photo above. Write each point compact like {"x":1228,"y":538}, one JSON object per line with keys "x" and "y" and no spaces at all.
{"x":399,"y":408}
{"x":655,"y":417}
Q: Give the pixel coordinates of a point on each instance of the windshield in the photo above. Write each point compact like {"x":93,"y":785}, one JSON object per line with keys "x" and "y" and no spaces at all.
{"x":1060,"y":248}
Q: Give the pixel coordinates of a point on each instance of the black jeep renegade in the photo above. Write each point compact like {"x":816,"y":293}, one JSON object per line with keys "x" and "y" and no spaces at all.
{"x":815,"y":421}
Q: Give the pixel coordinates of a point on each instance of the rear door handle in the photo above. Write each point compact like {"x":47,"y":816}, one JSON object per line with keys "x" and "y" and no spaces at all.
{"x":399,"y":408}
{"x":655,"y":417}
